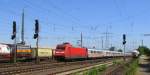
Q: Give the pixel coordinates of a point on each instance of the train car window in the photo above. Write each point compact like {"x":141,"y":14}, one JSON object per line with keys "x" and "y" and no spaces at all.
{"x":90,"y":51}
{"x":97,"y":51}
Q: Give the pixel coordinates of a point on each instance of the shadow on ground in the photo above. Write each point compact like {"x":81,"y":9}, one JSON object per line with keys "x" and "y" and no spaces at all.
{"x":146,"y":66}
{"x":147,"y":59}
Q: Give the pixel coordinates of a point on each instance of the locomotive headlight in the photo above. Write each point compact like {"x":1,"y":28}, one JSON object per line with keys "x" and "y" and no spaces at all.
{"x":58,"y":52}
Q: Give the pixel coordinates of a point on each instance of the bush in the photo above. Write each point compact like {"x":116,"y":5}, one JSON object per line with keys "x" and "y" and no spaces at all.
{"x":144,"y":50}
{"x":131,"y":69}
{"x":95,"y":70}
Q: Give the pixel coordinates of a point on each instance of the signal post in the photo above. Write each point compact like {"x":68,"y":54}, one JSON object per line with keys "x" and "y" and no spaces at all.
{"x":124,"y":45}
{"x":36,"y":36}
{"x":13,"y":37}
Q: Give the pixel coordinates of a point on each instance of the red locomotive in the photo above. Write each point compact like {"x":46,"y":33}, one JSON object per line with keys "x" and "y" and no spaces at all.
{"x":67,"y":51}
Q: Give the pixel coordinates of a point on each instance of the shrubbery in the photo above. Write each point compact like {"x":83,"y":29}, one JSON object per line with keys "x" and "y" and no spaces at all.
{"x":144,"y":50}
{"x":131,"y":69}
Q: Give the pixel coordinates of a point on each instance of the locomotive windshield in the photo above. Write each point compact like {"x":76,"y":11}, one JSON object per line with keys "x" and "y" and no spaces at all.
{"x":60,"y":47}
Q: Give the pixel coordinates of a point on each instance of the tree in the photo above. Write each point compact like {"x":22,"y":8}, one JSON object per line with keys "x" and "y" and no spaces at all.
{"x":112,"y":48}
{"x":120,"y":50}
{"x":144,"y":50}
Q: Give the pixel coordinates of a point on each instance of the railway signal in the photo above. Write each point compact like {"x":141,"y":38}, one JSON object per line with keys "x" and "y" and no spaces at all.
{"x":36,"y":29}
{"x":124,"y":42}
{"x":124,"y":39}
{"x":36,"y":36}
{"x":13,"y":37}
{"x":14,"y":31}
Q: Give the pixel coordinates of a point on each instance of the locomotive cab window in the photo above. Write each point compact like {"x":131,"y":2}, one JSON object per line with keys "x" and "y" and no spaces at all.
{"x":60,"y":48}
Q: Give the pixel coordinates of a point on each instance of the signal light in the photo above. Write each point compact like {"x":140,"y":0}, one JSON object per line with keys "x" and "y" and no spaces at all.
{"x":36,"y":26}
{"x":35,"y":36}
{"x":124,"y":39}
{"x":124,"y":42}
{"x":13,"y":37}
{"x":14,"y":30}
{"x":14,"y":27}
{"x":36,"y":29}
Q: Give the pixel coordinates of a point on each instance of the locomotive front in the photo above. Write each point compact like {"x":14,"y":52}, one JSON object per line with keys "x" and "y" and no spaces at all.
{"x":59,"y":52}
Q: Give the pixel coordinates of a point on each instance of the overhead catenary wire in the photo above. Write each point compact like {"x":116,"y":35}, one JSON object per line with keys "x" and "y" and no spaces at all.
{"x":49,"y":11}
{"x":64,"y":12}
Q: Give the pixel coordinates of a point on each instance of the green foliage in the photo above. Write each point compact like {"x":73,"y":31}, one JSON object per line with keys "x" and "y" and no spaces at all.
{"x":117,"y":62}
{"x":144,"y":50}
{"x":131,"y":68}
{"x":102,"y":68}
{"x":95,"y":70}
{"x":120,"y":50}
{"x":112,"y":48}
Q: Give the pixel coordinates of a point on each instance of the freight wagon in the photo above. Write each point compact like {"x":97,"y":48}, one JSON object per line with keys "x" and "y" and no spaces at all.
{"x":43,"y":53}
{"x":4,"y":51}
{"x":22,"y":51}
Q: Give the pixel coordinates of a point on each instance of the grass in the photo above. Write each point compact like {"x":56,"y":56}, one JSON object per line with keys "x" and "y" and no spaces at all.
{"x":128,"y":69}
{"x":94,"y":70}
{"x":115,"y":62}
{"x":131,"y":69}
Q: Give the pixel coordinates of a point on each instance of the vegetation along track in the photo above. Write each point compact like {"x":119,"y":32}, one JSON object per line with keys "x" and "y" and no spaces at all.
{"x":117,"y":68}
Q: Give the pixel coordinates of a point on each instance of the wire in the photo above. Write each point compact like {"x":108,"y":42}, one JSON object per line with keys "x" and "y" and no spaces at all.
{"x":66,"y":13}
{"x":45,"y":9}
{"x":118,"y":8}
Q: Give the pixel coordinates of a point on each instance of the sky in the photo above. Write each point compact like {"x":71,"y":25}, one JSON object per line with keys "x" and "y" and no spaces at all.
{"x":64,"y":21}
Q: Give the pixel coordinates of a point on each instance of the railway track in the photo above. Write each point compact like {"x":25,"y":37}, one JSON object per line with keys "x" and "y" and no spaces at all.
{"x":49,"y":68}
{"x":8,"y":65}
{"x":116,"y":69}
{"x":80,"y":71}
{"x":26,"y":66}
{"x":40,"y":67}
